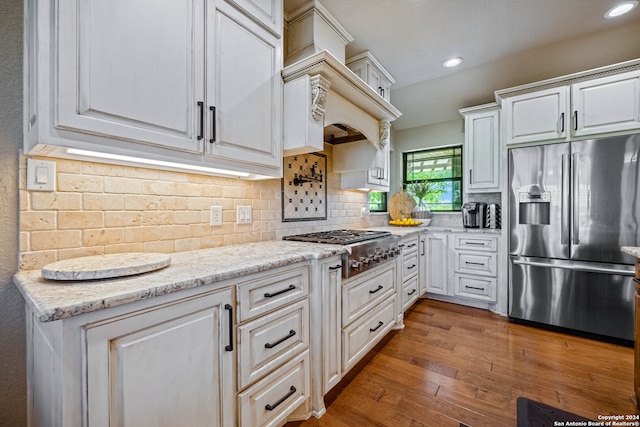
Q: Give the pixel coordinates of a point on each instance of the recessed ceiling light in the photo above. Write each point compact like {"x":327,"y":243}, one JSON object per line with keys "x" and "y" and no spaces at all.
{"x":621,"y":9}
{"x":453,"y":62}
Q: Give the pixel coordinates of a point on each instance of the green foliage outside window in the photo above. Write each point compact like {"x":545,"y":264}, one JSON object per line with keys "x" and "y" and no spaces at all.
{"x":434,"y":178}
{"x":377,"y":201}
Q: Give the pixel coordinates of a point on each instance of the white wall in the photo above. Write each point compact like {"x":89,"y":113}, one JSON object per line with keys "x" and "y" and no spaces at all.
{"x":12,"y":325}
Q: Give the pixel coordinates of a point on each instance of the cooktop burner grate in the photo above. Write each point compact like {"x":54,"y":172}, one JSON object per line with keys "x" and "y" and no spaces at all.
{"x":339,"y":237}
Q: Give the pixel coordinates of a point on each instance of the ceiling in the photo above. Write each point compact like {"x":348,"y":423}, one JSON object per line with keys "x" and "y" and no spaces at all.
{"x":412,"y":38}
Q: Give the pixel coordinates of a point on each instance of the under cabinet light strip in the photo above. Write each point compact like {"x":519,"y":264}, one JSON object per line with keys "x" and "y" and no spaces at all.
{"x":141,"y":160}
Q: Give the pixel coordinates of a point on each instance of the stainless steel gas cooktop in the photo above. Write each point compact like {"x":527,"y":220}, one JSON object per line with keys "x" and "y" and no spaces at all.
{"x":367,"y":248}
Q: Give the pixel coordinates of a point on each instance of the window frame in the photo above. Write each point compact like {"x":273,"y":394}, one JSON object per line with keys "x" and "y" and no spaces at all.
{"x":458,"y":179}
{"x":383,"y":203}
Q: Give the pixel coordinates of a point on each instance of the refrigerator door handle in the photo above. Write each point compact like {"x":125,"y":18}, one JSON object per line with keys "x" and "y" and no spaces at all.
{"x":564,"y":196}
{"x":575,"y":267}
{"x":575,"y":190}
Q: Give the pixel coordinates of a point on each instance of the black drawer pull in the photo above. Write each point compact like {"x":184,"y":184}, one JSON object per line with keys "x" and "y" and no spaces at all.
{"x":475,"y":263}
{"x":229,"y":347}
{"x":285,"y":397}
{"x":281,"y":340}
{"x":412,"y":245}
{"x":378,"y":289}
{"x":377,"y":327}
{"x":335,"y":267}
{"x":271,"y":295}
{"x":410,"y":267}
{"x":474,"y":287}
{"x":412,"y":292}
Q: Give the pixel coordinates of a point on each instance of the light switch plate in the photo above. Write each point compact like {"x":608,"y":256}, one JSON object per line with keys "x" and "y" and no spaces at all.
{"x":41,"y":175}
{"x":244,"y":215}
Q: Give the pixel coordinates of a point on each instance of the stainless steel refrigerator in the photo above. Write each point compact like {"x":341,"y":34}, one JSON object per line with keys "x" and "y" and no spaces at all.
{"x":572,"y":206}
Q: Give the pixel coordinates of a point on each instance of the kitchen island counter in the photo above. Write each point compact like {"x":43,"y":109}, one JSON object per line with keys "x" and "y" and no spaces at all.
{"x":54,"y":300}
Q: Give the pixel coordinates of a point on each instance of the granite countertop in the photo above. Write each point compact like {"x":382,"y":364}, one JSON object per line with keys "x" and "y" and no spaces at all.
{"x":407,"y":231}
{"x":54,"y":300}
{"x":631,"y":250}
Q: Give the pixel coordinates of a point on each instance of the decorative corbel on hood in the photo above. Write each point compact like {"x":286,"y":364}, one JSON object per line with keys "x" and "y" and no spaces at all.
{"x":385,"y":128}
{"x":321,"y":87}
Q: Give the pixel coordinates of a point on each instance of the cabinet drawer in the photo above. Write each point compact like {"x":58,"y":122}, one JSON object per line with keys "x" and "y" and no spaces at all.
{"x":360,"y":337}
{"x":476,"y":242}
{"x":270,"y":401}
{"x":271,"y":340}
{"x":481,"y":288}
{"x":476,"y":263}
{"x":364,"y":292}
{"x":409,"y":245}
{"x":409,"y":265}
{"x":410,"y":292}
{"x":272,"y":291}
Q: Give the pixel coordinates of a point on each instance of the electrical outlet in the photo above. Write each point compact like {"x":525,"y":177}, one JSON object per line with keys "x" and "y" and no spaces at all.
{"x":216,"y":215}
{"x":244,"y":215}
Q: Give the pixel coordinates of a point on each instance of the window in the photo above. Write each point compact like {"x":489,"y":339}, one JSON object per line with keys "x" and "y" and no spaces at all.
{"x":377,"y":201}
{"x":434,"y":178}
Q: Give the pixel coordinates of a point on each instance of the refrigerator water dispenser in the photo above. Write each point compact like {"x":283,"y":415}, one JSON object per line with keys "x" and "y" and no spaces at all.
{"x":534,"y":208}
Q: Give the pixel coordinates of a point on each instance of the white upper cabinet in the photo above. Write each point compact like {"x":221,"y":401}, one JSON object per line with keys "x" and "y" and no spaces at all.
{"x":608,"y":104}
{"x":244,"y":90}
{"x":538,"y":116}
{"x":367,"y":67}
{"x":481,"y":148}
{"x":370,"y":166}
{"x":266,"y":12}
{"x":129,"y":70}
{"x":600,"y":102}
{"x":195,"y":82}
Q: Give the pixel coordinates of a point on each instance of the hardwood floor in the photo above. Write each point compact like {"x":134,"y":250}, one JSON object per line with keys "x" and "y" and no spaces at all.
{"x":453,"y":364}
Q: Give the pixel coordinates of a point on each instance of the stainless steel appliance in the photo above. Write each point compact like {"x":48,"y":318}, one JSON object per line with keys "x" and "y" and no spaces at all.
{"x":571,"y":207}
{"x":473,"y":214}
{"x":366,"y":249}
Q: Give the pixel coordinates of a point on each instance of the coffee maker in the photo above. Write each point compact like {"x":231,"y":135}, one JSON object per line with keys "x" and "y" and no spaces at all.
{"x":474,"y":214}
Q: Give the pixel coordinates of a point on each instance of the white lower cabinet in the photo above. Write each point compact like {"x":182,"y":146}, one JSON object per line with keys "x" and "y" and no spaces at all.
{"x":437,"y":263}
{"x":477,"y":287}
{"x":368,"y":311}
{"x":409,"y":292}
{"x":272,"y":399}
{"x":231,"y":354}
{"x":266,"y":342}
{"x":331,"y":276}
{"x":410,"y":271}
{"x":463,"y":266}
{"x":164,"y":361}
{"x":162,"y":366}
{"x":359,"y":337}
{"x":273,"y":346}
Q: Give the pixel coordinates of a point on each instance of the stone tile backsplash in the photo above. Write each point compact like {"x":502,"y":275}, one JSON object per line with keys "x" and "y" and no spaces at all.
{"x":100,"y":209}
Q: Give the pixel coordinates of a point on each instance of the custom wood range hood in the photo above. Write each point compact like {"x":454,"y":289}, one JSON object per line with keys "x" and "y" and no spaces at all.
{"x":324,"y":101}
